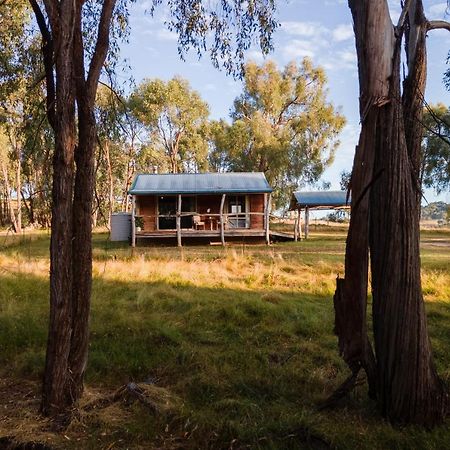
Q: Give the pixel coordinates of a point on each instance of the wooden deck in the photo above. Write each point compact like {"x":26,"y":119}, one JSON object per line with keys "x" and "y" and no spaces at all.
{"x":214,"y":234}
{"x":200,"y":233}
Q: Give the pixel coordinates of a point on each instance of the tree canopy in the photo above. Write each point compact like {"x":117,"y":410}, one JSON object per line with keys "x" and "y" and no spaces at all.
{"x":435,"y":165}
{"x":282,"y":124}
{"x":175,"y":118}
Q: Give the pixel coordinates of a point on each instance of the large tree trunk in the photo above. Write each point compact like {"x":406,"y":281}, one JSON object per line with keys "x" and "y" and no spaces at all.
{"x":385,"y":219}
{"x":70,"y":247}
{"x":56,"y":374}
{"x":110,"y":183}
{"x":82,"y":249}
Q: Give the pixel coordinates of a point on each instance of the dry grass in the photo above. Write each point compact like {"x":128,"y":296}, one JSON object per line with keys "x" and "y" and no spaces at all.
{"x":237,"y":342}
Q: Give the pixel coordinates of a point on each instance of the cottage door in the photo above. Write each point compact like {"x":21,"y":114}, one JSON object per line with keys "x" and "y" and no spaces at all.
{"x":188,"y":204}
{"x":237,"y":217}
{"x":167,"y":210}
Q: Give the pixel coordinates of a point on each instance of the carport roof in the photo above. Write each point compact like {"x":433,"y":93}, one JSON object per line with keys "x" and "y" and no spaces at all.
{"x":319,"y":199}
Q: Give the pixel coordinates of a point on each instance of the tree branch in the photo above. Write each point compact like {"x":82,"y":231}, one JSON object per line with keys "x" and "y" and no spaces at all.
{"x":51,"y":8}
{"x":438,"y":25}
{"x":78,"y":52}
{"x":101,"y":48}
{"x":401,"y":20}
{"x":48,"y":56}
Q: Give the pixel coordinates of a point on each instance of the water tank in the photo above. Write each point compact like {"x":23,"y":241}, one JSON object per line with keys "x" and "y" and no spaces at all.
{"x":120,"y":227}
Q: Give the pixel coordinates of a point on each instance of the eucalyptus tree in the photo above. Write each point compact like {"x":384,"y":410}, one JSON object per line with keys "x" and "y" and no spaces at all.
{"x":14,"y":18}
{"x":385,"y":219}
{"x":111,"y":159}
{"x":75,"y":43}
{"x":435,"y":158}
{"x":9,"y":214}
{"x":282,"y":125}
{"x":175,"y":117}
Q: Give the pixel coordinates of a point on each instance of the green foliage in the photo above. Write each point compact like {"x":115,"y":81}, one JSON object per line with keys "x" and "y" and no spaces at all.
{"x":175,"y":119}
{"x":282,"y":125}
{"x":14,"y":18}
{"x":30,"y":139}
{"x":346,"y":176}
{"x":117,"y":153}
{"x":435,"y":211}
{"x":339,"y":216}
{"x":435,"y":164}
{"x":224,"y":29}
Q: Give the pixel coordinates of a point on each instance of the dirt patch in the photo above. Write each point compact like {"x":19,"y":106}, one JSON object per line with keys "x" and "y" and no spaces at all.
{"x":436,"y":242}
{"x":97,"y":424}
{"x":21,"y":426}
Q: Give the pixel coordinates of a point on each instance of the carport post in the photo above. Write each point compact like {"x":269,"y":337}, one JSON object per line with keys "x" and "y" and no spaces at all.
{"x":299,"y":225}
{"x":133,"y":221}
{"x":222,"y":230}
{"x":267,"y":217}
{"x":179,"y":221}
{"x":306,"y":222}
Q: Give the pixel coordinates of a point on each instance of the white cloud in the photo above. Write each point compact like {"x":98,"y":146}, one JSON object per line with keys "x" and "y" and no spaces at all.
{"x":343,"y":32}
{"x":144,"y":5}
{"x":164,"y":34}
{"x":298,"y":49}
{"x":303,"y":28}
{"x":254,"y":55}
{"x":341,"y":60}
{"x":161,"y":34}
{"x":437,"y":11}
{"x":151,"y":51}
{"x":348,"y":56}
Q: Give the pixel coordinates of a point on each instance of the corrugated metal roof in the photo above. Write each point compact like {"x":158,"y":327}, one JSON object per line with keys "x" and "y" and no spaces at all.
{"x":200,"y":183}
{"x":316,"y":199}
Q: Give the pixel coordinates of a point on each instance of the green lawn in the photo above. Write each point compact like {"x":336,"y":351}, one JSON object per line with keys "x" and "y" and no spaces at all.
{"x":241,"y":339}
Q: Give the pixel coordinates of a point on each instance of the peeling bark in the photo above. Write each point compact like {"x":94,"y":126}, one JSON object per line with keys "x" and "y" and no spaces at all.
{"x":385,"y":221}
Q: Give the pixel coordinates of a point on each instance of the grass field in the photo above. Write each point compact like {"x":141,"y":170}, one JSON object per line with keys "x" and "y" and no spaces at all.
{"x":236,"y":344}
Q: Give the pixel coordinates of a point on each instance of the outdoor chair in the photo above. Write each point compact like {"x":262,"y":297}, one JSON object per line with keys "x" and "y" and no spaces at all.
{"x":198,"y":222}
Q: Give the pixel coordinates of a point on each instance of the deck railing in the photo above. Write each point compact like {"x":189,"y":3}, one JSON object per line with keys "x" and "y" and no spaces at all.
{"x":242,"y":215}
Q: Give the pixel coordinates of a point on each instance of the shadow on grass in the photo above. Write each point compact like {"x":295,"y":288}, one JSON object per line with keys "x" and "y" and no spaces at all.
{"x":249,"y":365}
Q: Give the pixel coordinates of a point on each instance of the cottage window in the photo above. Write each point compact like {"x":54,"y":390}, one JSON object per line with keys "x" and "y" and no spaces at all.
{"x":237,"y":209}
{"x":167,"y":210}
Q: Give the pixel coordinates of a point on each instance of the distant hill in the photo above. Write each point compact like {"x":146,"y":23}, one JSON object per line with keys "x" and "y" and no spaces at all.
{"x":435,"y":211}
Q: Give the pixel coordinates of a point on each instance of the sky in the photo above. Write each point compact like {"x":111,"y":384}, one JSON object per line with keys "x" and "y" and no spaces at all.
{"x":319,"y":29}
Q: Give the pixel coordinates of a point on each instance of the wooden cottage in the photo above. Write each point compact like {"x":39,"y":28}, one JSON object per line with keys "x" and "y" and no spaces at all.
{"x":216,"y":206}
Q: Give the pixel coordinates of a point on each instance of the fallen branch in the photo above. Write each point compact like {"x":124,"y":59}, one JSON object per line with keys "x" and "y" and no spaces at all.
{"x":157,"y":399}
{"x":342,"y":391}
{"x":140,"y":394}
{"x":104,"y":402}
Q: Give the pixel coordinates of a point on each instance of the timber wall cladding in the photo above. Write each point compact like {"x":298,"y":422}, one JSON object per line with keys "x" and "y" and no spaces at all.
{"x":147,"y":207}
{"x":257,"y":205}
